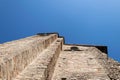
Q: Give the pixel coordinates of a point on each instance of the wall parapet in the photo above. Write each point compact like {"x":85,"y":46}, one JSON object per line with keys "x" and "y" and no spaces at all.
{"x":15,"y":57}
{"x":42,"y":67}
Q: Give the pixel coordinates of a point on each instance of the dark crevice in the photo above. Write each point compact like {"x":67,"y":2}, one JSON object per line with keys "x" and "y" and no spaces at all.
{"x":73,"y":49}
{"x":63,"y":78}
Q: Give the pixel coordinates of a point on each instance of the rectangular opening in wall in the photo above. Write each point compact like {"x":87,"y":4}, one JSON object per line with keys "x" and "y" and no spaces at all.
{"x":63,"y":78}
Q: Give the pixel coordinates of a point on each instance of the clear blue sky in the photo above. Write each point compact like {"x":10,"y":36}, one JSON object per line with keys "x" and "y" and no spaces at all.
{"x":79,"y":21}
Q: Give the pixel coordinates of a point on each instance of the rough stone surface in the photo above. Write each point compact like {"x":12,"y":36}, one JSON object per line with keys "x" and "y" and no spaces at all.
{"x":79,"y":65}
{"x":16,"y":55}
{"x":46,"y":57}
{"x":43,"y":66}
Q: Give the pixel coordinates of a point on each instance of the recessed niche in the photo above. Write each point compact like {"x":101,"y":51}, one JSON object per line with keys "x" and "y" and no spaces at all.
{"x":63,"y":78}
{"x":74,"y":49}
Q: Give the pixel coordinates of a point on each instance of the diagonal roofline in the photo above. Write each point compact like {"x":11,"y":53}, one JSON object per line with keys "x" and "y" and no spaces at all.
{"x":102,"y":48}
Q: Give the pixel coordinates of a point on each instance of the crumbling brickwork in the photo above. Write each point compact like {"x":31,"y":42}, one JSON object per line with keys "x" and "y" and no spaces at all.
{"x":45,"y":57}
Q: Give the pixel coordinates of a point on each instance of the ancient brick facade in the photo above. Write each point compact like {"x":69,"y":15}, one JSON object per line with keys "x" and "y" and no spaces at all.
{"x":45,"y":56}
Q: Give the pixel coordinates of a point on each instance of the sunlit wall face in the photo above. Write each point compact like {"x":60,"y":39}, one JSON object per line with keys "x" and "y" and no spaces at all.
{"x":80,"y":21}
